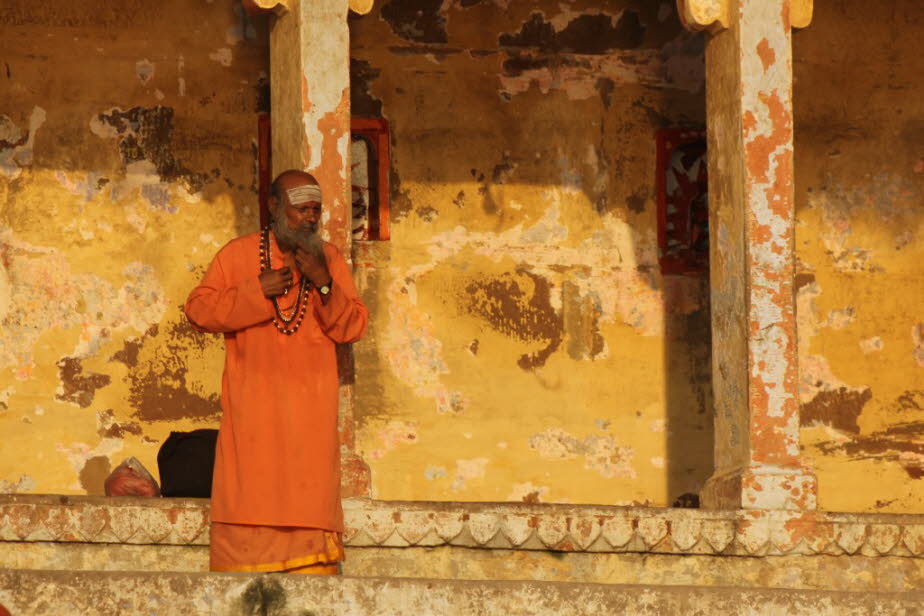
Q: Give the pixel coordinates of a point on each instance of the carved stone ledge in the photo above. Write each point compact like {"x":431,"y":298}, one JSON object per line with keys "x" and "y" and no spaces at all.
{"x":563,"y":528}
{"x":716,"y":15}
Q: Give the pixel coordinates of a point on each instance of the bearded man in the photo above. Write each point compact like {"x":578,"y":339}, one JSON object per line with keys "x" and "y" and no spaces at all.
{"x":282,"y":298}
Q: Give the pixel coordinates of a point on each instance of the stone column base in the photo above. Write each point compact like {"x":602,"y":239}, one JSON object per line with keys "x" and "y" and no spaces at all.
{"x":761,"y":487}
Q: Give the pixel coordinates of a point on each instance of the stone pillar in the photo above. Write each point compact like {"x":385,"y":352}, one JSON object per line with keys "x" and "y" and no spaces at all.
{"x":751,"y":219}
{"x":310,"y":96}
{"x":310,"y":100}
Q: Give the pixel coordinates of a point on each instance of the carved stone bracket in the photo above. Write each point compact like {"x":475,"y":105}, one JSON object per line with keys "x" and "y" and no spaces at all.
{"x":711,"y":15}
{"x":800,"y":13}
{"x":716,"y":15}
{"x":281,"y":6}
{"x":562,"y":528}
{"x":257,"y":7}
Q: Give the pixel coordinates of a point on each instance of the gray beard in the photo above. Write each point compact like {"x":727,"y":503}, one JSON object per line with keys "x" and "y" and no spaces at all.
{"x":310,"y":240}
{"x":286,"y":236}
{"x":289,"y":238}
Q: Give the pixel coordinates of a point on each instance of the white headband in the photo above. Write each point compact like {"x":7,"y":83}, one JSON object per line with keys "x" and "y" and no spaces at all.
{"x":304,"y":194}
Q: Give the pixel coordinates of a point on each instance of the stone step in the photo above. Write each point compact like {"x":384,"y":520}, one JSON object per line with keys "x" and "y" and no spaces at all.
{"x":86,"y":593}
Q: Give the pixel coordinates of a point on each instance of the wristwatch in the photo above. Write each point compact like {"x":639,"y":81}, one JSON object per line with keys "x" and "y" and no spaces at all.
{"x":324,"y":289}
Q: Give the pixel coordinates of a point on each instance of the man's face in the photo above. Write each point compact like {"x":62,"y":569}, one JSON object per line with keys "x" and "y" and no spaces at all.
{"x":302,"y":207}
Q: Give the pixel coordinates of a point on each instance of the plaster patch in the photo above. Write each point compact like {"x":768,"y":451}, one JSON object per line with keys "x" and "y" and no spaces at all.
{"x":815,"y":374}
{"x":46,"y":295}
{"x":528,"y":493}
{"x":839,"y":319}
{"x":435,"y":472}
{"x":16,"y":147}
{"x":618,"y":286}
{"x":86,"y":185}
{"x":888,"y":197}
{"x":145,"y":142}
{"x":677,"y":65}
{"x":6,"y":291}
{"x":872,"y":345}
{"x":160,"y":388}
{"x":76,"y":387}
{"x":413,"y":352}
{"x":395,"y":433}
{"x":222,"y":56}
{"x":144,"y":70}
{"x":917,"y":338}
{"x":581,"y":32}
{"x":419,"y":21}
{"x":467,"y":470}
{"x":613,"y":257}
{"x":900,"y":443}
{"x":78,"y":454}
{"x":5,"y":395}
{"x":599,"y":452}
{"x":25,"y":483}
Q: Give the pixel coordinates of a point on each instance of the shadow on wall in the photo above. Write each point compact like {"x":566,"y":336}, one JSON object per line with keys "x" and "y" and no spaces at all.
{"x":524,"y":217}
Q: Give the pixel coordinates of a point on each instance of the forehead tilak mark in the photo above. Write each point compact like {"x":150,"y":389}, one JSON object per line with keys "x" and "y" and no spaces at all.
{"x":304,"y":194}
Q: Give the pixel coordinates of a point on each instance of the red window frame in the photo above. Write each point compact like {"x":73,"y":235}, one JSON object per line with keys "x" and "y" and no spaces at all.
{"x":375,"y":132}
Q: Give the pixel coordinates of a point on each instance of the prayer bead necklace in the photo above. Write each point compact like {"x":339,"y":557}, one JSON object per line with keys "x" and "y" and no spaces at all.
{"x":281,"y":320}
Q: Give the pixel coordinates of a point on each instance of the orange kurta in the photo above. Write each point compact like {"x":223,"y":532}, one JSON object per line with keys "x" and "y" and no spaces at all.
{"x":277,"y":461}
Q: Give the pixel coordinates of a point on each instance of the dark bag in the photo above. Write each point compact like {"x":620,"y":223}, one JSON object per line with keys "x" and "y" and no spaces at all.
{"x":185,"y":462}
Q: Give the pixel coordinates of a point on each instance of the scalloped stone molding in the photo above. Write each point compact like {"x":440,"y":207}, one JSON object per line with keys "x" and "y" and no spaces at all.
{"x":563,"y":528}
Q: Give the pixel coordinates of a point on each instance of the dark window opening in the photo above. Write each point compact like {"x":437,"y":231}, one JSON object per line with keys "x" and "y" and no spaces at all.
{"x":683,"y":205}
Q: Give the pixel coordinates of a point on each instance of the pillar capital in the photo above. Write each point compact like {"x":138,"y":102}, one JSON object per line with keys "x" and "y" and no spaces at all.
{"x":256,"y":7}
{"x":712,"y":15}
{"x":800,"y":13}
{"x":717,"y":15}
{"x":281,"y":6}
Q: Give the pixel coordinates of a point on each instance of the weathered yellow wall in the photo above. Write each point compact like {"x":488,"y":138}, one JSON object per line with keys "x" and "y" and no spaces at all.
{"x":859,"y":154}
{"x":524,"y":345}
{"x":126,"y":159}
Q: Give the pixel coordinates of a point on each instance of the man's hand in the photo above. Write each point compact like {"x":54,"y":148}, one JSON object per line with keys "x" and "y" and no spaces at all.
{"x":276,"y":281}
{"x":312,"y":263}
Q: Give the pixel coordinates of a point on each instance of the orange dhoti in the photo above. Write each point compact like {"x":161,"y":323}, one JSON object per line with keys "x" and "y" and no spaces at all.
{"x":243,"y":548}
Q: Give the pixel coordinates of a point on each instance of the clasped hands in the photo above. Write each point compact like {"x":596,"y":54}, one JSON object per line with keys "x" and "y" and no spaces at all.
{"x":311,"y":263}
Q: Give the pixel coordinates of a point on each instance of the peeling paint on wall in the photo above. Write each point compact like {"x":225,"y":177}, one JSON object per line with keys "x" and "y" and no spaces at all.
{"x":112,"y":177}
{"x":520,"y":291}
{"x":600,"y":452}
{"x":16,"y":145}
{"x":858,"y":223}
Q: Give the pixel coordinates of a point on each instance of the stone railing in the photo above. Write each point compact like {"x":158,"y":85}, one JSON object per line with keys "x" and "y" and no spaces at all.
{"x":564,"y":528}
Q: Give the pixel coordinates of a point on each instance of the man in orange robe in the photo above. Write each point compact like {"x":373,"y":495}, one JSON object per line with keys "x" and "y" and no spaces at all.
{"x":282,"y":298}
